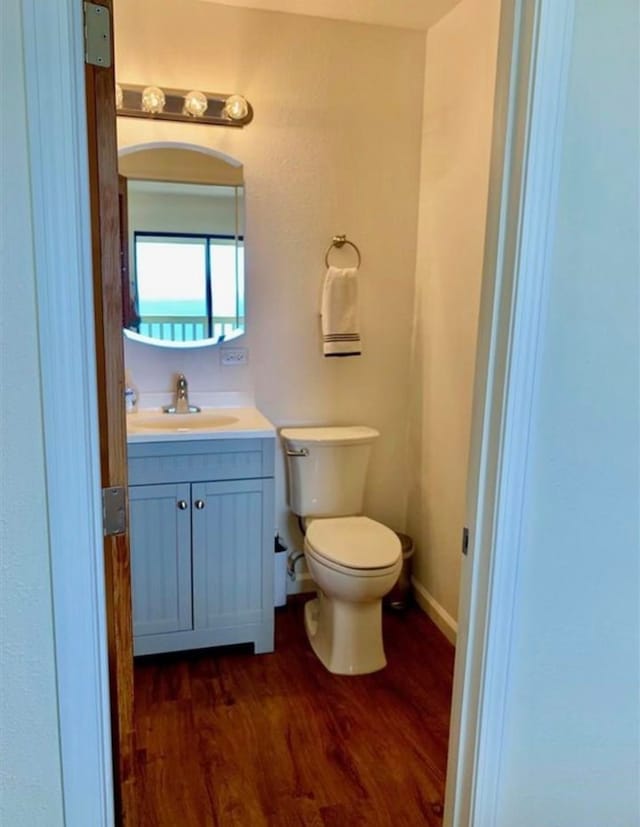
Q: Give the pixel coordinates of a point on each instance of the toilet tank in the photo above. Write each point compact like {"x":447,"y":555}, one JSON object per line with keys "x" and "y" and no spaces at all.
{"x":327,"y":469}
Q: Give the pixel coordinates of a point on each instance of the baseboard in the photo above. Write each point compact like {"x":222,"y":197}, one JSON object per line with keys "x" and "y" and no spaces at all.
{"x":431,"y":607}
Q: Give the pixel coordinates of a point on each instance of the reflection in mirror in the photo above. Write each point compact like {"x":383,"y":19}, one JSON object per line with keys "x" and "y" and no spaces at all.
{"x":185,"y":245}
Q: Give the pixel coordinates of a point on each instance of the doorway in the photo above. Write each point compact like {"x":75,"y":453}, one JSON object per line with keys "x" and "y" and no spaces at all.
{"x":79,"y":180}
{"x":131,"y":132}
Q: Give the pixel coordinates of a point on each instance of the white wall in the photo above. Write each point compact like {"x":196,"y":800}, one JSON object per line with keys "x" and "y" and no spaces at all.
{"x":572,"y":736}
{"x":30,"y":782}
{"x":173,"y":212}
{"x":456,"y":138}
{"x":334,"y":147}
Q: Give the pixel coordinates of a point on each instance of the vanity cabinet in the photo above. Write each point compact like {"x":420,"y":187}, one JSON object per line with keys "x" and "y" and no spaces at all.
{"x":160,"y":539}
{"x":201,"y":528}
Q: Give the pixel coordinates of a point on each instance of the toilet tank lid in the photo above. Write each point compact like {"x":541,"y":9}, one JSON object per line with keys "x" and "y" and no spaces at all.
{"x":342,"y":435}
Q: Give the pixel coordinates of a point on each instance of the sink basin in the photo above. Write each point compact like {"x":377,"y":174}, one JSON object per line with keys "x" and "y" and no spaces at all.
{"x":152,"y":425}
{"x":180,"y":423}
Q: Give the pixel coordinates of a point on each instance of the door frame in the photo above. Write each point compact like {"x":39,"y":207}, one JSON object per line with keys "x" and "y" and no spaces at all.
{"x":53,"y":41}
{"x":518,"y":239}
{"x":530,"y":102}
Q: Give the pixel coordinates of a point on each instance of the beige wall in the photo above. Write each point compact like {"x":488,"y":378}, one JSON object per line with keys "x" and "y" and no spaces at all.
{"x":456,"y":134}
{"x":334,"y":147}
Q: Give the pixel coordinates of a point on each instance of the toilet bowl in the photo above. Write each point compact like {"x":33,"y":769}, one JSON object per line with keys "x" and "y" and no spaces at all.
{"x":355,"y":562}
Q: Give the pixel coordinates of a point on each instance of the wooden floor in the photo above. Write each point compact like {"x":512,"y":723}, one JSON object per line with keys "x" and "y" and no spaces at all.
{"x":229,"y":738}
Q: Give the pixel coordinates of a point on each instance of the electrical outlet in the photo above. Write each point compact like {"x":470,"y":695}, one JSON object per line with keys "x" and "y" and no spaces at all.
{"x":230,"y":356}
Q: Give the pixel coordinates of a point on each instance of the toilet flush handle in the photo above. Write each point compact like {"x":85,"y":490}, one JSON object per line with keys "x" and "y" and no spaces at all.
{"x":297,"y":452}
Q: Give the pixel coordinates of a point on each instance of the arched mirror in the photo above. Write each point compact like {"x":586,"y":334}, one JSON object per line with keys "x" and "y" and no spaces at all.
{"x":183,"y":246}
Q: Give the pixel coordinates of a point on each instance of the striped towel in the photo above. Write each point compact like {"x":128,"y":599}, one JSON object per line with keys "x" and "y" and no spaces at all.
{"x":340,"y":326}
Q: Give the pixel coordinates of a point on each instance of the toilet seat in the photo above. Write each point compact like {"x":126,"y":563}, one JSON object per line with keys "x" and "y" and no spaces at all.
{"x":353,"y":544}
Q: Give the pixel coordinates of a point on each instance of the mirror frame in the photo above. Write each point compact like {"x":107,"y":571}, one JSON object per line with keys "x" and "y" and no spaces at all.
{"x":131,"y":149}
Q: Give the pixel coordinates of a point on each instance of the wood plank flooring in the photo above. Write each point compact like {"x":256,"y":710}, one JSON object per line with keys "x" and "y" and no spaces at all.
{"x":229,"y":738}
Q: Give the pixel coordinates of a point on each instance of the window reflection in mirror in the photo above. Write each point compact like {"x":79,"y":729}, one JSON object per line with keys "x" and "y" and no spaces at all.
{"x":185,"y":247}
{"x":187,"y":309}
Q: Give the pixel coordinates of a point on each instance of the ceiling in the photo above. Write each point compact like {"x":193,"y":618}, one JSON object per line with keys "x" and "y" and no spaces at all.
{"x":409,"y":14}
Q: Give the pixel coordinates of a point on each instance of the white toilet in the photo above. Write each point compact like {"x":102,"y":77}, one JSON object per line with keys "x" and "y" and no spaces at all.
{"x":353,"y":560}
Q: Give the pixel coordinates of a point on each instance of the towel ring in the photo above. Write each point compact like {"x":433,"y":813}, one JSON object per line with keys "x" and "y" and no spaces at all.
{"x":339,"y":241}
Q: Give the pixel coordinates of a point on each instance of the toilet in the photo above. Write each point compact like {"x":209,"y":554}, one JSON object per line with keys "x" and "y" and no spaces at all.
{"x":354,"y":560}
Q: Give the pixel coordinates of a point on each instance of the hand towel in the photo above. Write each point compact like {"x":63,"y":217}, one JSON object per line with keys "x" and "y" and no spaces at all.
{"x":340,"y":324}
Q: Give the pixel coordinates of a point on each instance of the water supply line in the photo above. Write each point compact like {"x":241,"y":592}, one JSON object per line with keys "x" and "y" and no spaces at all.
{"x":294,"y":556}
{"x":292,"y":559}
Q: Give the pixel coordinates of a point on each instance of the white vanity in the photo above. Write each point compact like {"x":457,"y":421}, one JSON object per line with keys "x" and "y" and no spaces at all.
{"x":200,"y":481}
{"x":201,"y":528}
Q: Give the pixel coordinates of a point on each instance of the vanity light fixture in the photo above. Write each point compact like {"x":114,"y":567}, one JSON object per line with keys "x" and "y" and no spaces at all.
{"x":236,"y":107}
{"x":153,"y":100}
{"x":193,"y":106}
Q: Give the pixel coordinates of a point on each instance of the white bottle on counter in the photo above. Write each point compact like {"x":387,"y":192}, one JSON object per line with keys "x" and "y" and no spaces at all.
{"x":130,"y":395}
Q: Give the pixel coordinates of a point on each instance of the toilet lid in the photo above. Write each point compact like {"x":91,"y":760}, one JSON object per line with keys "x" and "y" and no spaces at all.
{"x":354,"y":542}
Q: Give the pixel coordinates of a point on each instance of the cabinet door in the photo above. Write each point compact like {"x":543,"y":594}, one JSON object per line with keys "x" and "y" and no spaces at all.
{"x":160,"y":532}
{"x":232,"y":582}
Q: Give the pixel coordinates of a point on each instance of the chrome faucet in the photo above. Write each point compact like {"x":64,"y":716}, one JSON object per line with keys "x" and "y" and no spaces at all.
{"x":182,"y":405}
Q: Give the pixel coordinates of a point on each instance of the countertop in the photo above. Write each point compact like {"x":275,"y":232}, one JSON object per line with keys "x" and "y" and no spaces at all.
{"x":152,"y":425}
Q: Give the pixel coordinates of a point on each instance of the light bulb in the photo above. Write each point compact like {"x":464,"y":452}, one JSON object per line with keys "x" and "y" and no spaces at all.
{"x":119,"y":96}
{"x":236,"y":107}
{"x":153,"y":100}
{"x":195,"y":103}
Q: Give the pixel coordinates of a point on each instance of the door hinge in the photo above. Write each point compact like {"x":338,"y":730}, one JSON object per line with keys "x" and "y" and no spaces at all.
{"x":465,"y":541}
{"x":97,"y":35}
{"x":114,"y":511}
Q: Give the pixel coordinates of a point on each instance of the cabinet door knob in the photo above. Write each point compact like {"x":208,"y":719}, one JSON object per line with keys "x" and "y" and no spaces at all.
{"x":182,"y":505}
{"x":199,"y":504}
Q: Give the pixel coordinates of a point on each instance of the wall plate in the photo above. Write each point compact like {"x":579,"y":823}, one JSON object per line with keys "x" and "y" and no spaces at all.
{"x":231,"y":356}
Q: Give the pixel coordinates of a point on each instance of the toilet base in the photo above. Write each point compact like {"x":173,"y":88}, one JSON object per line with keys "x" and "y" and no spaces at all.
{"x":346,"y":637}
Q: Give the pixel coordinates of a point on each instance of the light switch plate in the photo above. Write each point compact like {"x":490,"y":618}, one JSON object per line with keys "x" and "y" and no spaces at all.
{"x":231,"y":356}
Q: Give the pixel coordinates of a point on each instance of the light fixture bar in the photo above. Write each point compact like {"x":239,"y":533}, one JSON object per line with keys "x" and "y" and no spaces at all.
{"x":187,"y":106}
